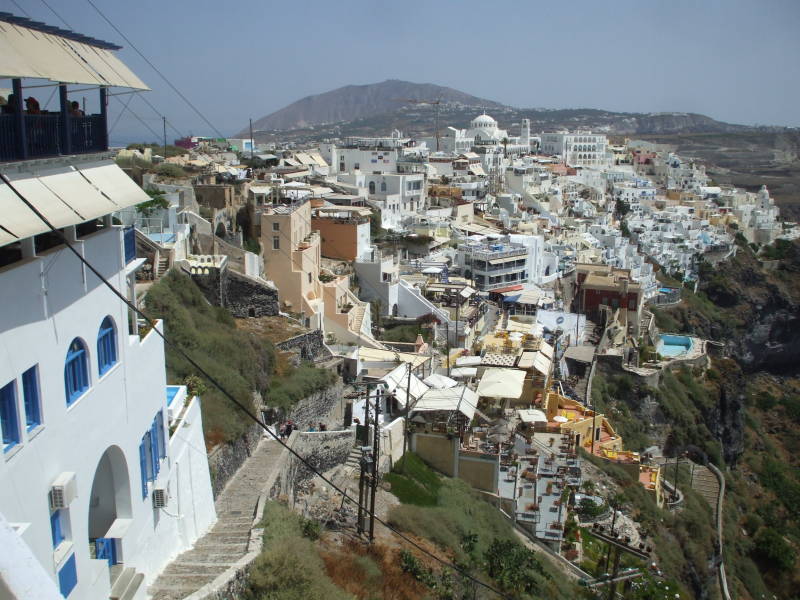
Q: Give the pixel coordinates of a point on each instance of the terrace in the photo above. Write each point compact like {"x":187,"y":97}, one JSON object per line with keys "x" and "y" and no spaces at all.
{"x":37,"y":51}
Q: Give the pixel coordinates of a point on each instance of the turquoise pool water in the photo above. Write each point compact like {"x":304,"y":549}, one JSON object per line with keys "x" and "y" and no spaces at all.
{"x":673,"y":345}
{"x":172,"y":391}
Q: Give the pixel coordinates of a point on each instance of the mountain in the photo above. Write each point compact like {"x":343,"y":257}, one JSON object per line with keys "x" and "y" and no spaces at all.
{"x":359,"y":101}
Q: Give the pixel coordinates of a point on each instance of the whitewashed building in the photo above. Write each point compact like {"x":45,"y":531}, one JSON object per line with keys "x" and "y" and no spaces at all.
{"x":101,"y":481}
{"x":579,"y":148}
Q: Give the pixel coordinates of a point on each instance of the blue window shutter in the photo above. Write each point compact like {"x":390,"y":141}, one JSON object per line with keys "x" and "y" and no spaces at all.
{"x":68,"y":577}
{"x":106,"y":346}
{"x":143,"y":467}
{"x":30,"y":392}
{"x":154,"y":455}
{"x":55,"y":528}
{"x":162,"y":446}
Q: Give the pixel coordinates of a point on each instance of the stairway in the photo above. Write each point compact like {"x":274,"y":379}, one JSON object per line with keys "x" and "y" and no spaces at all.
{"x":358,"y":317}
{"x":228,"y":541}
{"x":352,"y":465}
{"x":125,"y":582}
{"x":705,"y":483}
{"x":162,"y":266}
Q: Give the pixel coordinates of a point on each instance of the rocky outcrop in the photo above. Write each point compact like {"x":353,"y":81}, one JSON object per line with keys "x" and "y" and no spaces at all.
{"x":308,"y":346}
{"x":242,"y":295}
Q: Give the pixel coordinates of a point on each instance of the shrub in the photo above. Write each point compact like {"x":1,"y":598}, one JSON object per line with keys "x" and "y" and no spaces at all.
{"x":773,"y":549}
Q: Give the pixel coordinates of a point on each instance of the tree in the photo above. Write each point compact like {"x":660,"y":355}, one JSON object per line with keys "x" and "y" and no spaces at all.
{"x":157,"y":201}
{"x":513,"y":567}
{"x":622,"y":208}
{"x":774,"y":550}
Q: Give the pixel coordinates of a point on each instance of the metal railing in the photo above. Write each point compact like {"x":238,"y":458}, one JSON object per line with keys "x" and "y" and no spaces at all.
{"x":44,"y":136}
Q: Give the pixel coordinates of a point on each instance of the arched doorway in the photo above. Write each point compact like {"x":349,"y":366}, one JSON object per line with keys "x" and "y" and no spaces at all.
{"x":110,"y":500}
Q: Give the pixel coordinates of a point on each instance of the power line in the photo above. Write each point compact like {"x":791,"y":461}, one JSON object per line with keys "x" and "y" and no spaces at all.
{"x":142,"y":121}
{"x":122,"y":112}
{"x":22,"y":10}
{"x":52,"y":10}
{"x":168,"y":82}
{"x":239,"y":404}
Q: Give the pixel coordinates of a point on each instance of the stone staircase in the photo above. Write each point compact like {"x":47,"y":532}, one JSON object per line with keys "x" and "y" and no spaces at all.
{"x":358,"y":317}
{"x":125,"y":582}
{"x":705,"y":483}
{"x":162,"y":266}
{"x":228,"y":541}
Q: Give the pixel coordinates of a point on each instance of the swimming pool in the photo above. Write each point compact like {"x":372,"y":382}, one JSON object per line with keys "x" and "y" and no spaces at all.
{"x":172,"y":391}
{"x":673,"y":345}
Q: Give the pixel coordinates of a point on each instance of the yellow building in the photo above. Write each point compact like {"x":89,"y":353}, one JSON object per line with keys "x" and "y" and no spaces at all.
{"x":292,"y":259}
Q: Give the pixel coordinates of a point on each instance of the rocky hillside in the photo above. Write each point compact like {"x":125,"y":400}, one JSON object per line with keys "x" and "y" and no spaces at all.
{"x":358,"y":101}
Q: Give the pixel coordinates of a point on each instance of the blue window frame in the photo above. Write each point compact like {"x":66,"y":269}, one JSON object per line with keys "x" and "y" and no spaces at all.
{"x":9,"y":419}
{"x":154,"y":450}
{"x":68,"y":577}
{"x":106,"y":345}
{"x":56,"y":530}
{"x":31,"y":397}
{"x":76,"y":371}
{"x":143,"y":467}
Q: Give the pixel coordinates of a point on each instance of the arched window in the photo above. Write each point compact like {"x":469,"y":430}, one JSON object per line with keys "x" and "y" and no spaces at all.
{"x":371,"y":187}
{"x":106,"y":345}
{"x":76,"y":371}
{"x":383,"y":186}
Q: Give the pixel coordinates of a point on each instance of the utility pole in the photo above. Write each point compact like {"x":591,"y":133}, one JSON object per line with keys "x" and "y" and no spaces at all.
{"x":164,"y":121}
{"x":362,"y":479}
{"x":376,"y":437}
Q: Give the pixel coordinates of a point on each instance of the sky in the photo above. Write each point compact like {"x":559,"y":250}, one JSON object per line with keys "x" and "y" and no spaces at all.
{"x":735,"y":61}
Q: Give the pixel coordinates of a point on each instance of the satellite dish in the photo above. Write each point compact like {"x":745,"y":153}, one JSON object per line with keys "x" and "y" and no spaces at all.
{"x":560,"y":320}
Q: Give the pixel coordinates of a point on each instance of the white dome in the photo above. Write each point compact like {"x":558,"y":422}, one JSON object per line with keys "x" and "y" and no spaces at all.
{"x":484,"y":122}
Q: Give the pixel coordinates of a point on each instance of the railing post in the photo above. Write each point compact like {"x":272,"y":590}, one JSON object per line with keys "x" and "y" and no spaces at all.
{"x":104,"y":118}
{"x":19,"y":120}
{"x":65,"y":129}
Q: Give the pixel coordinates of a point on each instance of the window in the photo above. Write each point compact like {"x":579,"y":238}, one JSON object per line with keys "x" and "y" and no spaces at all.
{"x":106,"y":346}
{"x":30,"y":394}
{"x":383,"y":186}
{"x":9,"y":420}
{"x":371,"y":187}
{"x":357,"y":166}
{"x":162,"y":444}
{"x":143,"y":462}
{"x":57,"y":528}
{"x":276,"y":242}
{"x":276,"y":226}
{"x":68,"y":577}
{"x":76,"y":371}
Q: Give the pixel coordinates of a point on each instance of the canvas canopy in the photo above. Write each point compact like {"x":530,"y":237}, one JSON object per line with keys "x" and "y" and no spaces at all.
{"x":459,"y":398}
{"x":463,"y":372}
{"x":531,"y":415}
{"x":65,"y":196}
{"x":468,"y":361}
{"x":501,"y":383}
{"x":26,"y":52}
{"x":396,"y":381}
{"x":440,"y":382}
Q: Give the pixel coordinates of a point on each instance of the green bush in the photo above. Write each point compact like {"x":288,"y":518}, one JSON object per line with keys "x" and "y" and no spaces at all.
{"x":775,"y":552}
{"x":298,"y":383}
{"x":170,"y":170}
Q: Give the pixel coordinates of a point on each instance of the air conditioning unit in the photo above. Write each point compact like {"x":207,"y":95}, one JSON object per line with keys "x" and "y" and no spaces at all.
{"x":63,"y":491}
{"x":160,"y":497}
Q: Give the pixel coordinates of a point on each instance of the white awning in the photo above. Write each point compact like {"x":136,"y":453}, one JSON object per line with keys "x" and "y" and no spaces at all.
{"x":25,"y":52}
{"x":468,"y":361}
{"x":459,"y":398}
{"x":501,"y":383}
{"x":65,"y":196}
{"x":396,"y":381}
{"x":532,"y":416}
{"x":542,"y":364}
{"x":463,"y":372}
{"x":477,"y":170}
{"x":440,"y":382}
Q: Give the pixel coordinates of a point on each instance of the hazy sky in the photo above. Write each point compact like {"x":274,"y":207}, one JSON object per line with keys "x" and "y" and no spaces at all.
{"x":733,"y":60}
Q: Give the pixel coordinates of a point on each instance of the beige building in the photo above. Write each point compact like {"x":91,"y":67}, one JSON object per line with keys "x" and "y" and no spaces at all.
{"x":292,"y":260}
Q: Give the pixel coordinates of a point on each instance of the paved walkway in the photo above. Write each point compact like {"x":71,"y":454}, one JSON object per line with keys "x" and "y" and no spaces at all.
{"x":227,"y":541}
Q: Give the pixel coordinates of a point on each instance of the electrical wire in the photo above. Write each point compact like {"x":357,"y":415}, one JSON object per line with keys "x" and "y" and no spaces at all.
{"x":138,"y":118}
{"x":60,"y":18}
{"x":122,"y":112}
{"x":247,"y":411}
{"x":152,"y":66}
{"x":22,"y":10}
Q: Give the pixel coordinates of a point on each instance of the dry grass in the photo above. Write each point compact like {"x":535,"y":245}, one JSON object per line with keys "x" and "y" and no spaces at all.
{"x":370,"y":572}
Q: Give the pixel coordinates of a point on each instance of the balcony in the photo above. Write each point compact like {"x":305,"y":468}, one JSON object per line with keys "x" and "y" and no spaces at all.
{"x":45,"y":135}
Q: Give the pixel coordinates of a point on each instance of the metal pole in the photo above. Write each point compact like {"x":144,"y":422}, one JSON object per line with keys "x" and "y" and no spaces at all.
{"x":447,"y":342}
{"x":19,"y":119}
{"x":66,"y":141}
{"x":362,"y":478}
{"x":594,"y":420}
{"x":675,"y":483}
{"x":164,"y":121}
{"x":375,"y":455}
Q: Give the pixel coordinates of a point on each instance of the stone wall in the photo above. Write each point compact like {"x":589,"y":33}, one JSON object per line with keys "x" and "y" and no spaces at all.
{"x":243,"y":296}
{"x":326,"y":406}
{"x":226,"y":459}
{"x":323,"y":450}
{"x":308,"y":346}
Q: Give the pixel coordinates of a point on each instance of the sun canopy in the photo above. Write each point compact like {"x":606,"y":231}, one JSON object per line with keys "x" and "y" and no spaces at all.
{"x":440,"y":382}
{"x":531,"y":416}
{"x":29,"y":52}
{"x":463,"y":372}
{"x":65,"y":196}
{"x":468,"y":361}
{"x":459,"y":398}
{"x":396,"y":381}
{"x":501,"y":383}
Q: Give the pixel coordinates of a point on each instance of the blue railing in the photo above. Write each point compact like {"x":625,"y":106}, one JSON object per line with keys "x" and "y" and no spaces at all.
{"x":130,"y":244}
{"x":106,"y":549}
{"x":45,"y":136}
